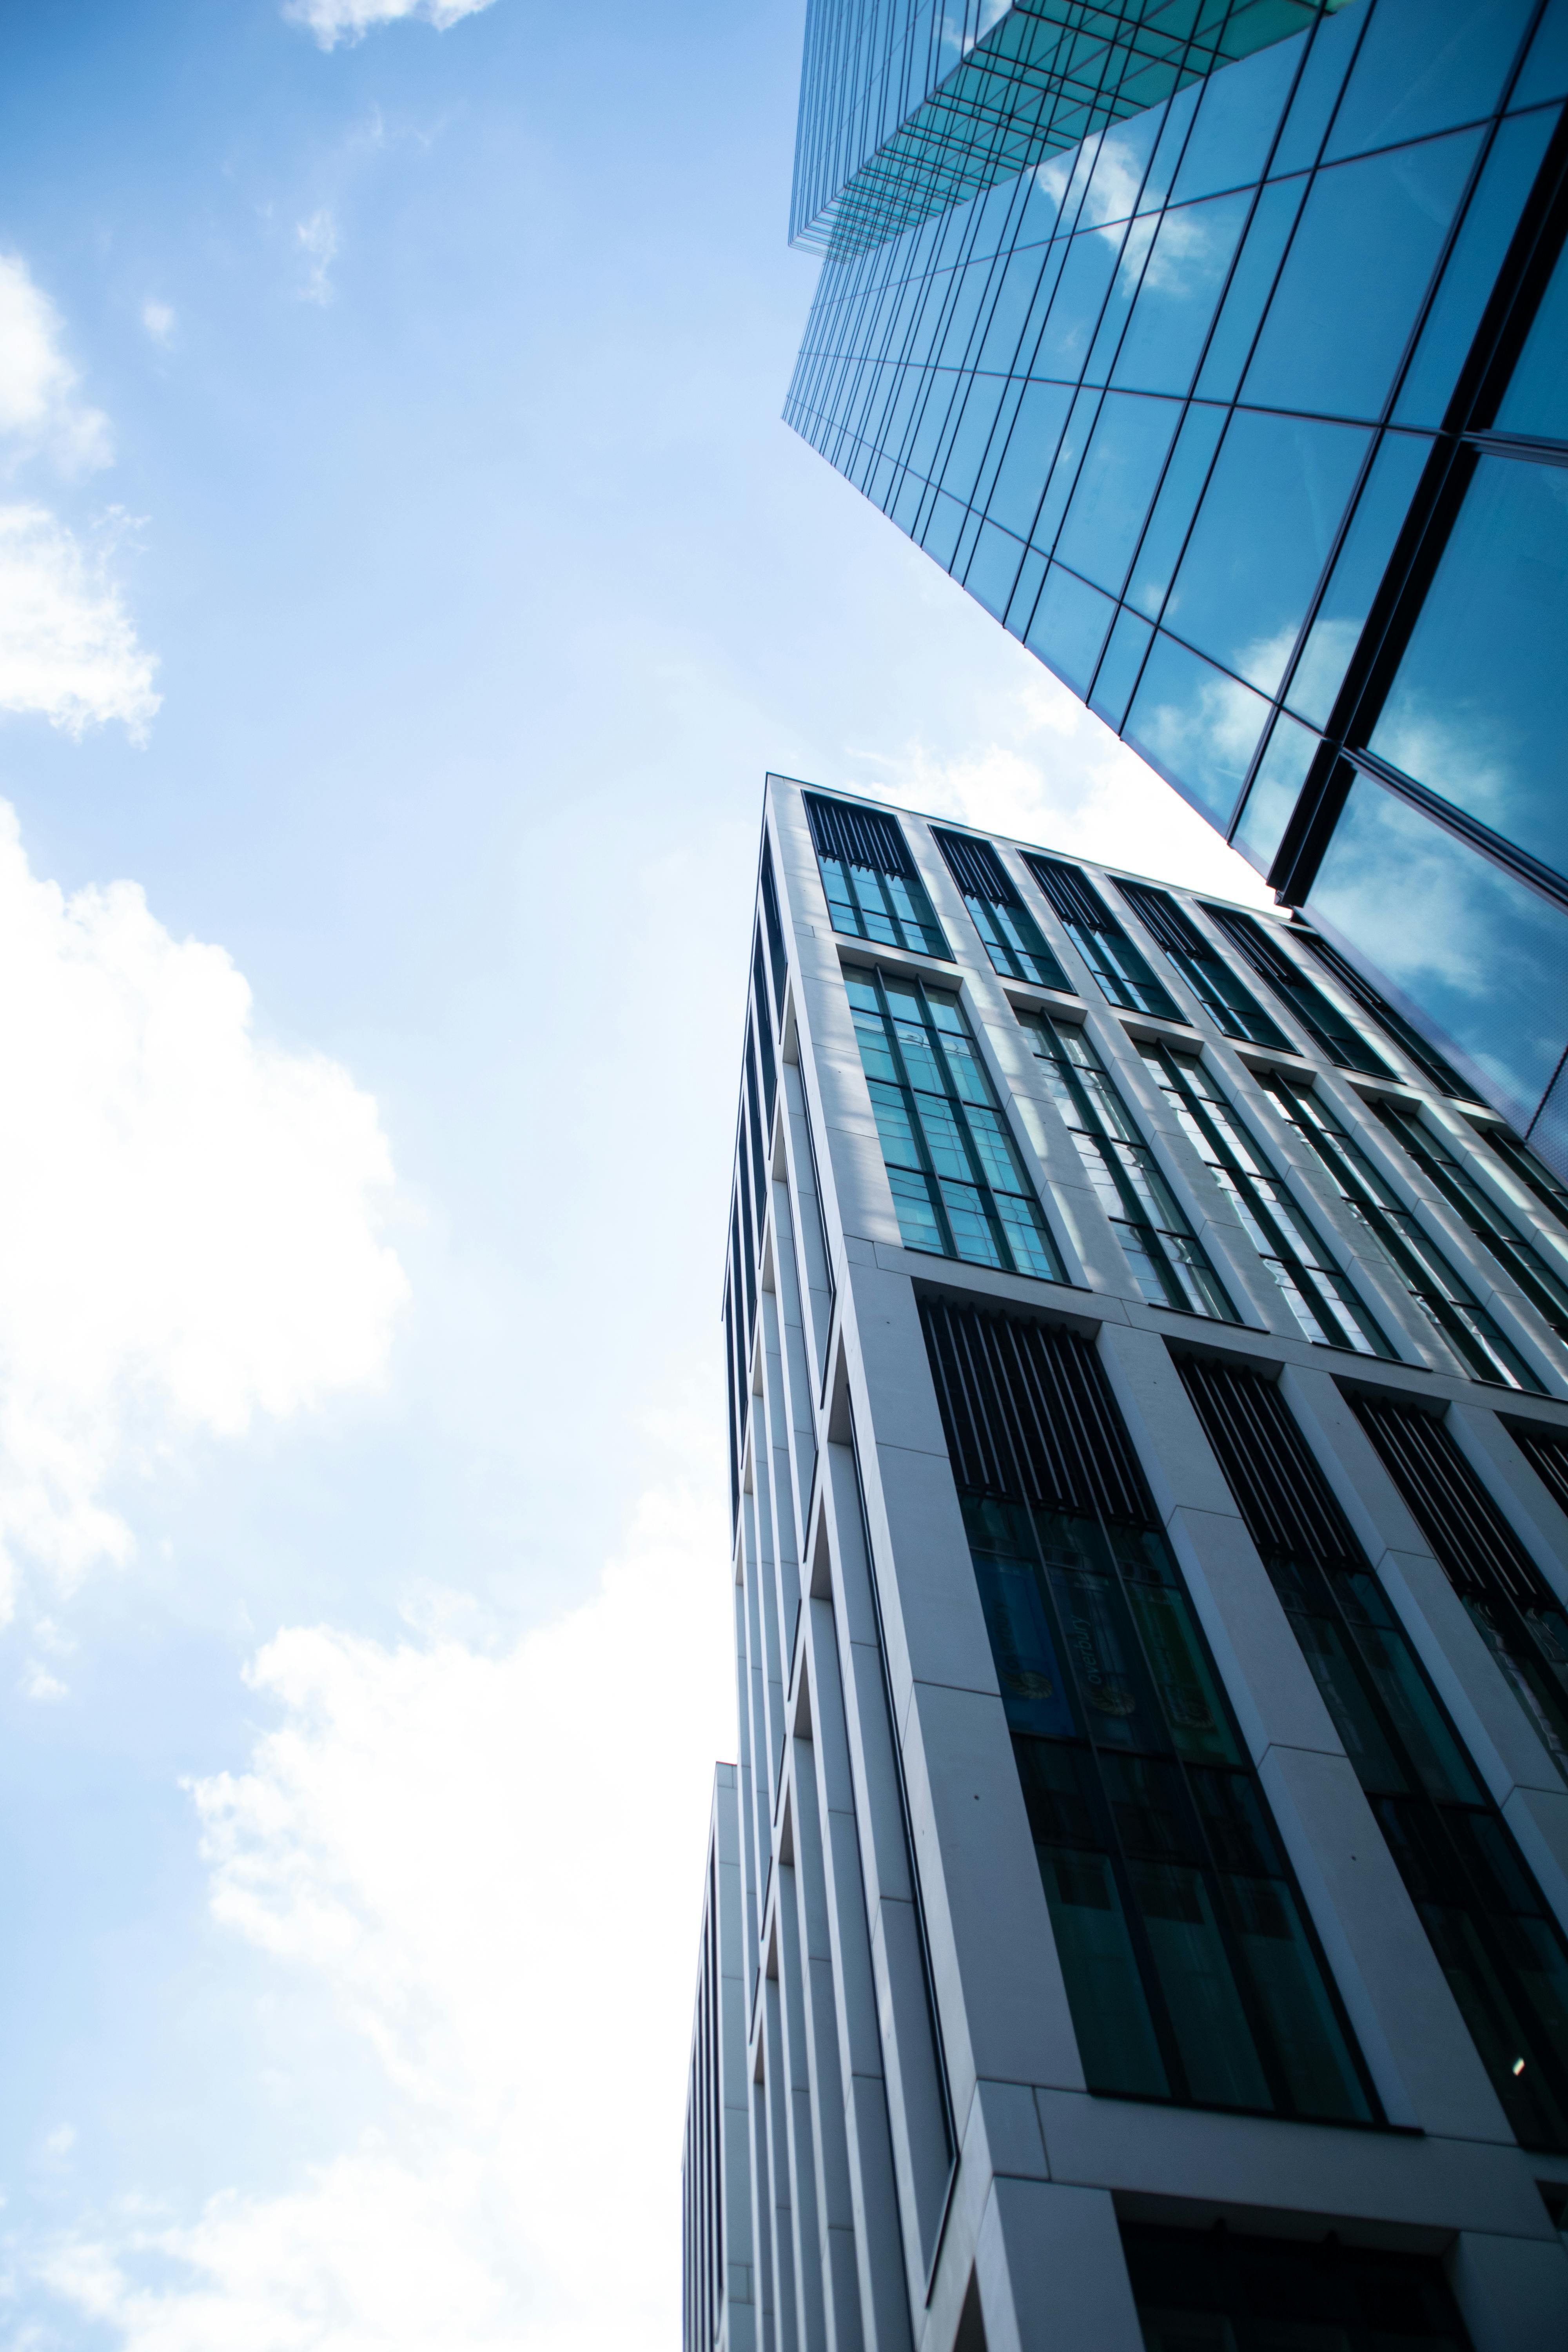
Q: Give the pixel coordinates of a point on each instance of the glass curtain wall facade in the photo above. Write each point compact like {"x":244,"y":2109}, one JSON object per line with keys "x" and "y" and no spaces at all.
{"x":1233,"y":388}
{"x":1135,"y":1914}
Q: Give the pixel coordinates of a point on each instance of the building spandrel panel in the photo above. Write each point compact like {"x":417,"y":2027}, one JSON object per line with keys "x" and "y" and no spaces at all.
{"x":1158,"y":381}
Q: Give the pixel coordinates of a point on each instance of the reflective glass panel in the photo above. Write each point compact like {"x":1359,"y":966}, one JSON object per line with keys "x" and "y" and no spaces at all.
{"x":1358,"y":571}
{"x":1426,"y":64}
{"x":1478,"y":710}
{"x":1263,"y":534}
{"x":1536,"y":401}
{"x":1276,"y":788}
{"x":1116,"y":484}
{"x":1069,"y":627}
{"x":1473,"y":949}
{"x":1199,"y":728}
{"x":1364,"y":252}
{"x":1181,"y":282}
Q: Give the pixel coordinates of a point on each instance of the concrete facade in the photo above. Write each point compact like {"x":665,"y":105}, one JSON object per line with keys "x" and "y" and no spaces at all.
{"x":891,"y":2140}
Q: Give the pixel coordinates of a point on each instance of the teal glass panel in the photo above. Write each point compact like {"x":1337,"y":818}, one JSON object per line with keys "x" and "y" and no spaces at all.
{"x":1333,"y":46}
{"x":966,"y":451}
{"x":1120,"y":168}
{"x":1079,"y":298}
{"x":1171,"y":520}
{"x":1275,"y":789}
{"x":1237,"y":116}
{"x":1536,"y":401}
{"x":1251,"y":285}
{"x":1347,"y":300}
{"x":1025,"y":593}
{"x":1031,"y":453}
{"x":1544,"y":73}
{"x":1479,"y":710}
{"x":943,"y":527}
{"x":1183,"y":280}
{"x":1116,"y":484}
{"x":1462,"y":50}
{"x":1473,"y":951}
{"x":1070,"y":626}
{"x":992,"y":570}
{"x":1379,"y":513}
{"x":1010,"y":311}
{"x":1118,"y":667}
{"x":1471,"y":271}
{"x":1197,"y":725}
{"x":1263,"y":533}
{"x":919,"y":1227}
{"x":1064,"y":473}
{"x":1034,"y":1688}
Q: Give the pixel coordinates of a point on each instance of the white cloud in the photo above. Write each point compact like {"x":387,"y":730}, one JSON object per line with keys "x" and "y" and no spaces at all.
{"x":318,"y":241}
{"x":494,"y":1863}
{"x":1055,"y":774}
{"x":197,"y":1213}
{"x":158,"y":320}
{"x":333,"y":21}
{"x":39,"y":409}
{"x":68,"y":650}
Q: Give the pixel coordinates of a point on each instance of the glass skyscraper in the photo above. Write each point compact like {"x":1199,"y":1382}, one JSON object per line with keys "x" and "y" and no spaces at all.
{"x":1136,"y":1916}
{"x":1219,"y":348}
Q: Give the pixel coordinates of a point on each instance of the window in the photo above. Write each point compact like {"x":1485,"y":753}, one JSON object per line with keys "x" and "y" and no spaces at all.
{"x":1499,"y":1948}
{"x":1542,"y":1285}
{"x":1412,"y":1254}
{"x":1531,"y":1172}
{"x":1167,"y":1259}
{"x":777,"y":957}
{"x":1338,"y":1037}
{"x":1010,"y":932}
{"x":958,"y":1181}
{"x":1546,"y":1451}
{"x":1323,"y":1302}
{"x":1231,"y":1007}
{"x":1120,"y":970}
{"x":1190,"y":1970}
{"x":873,"y":891}
{"x":1224,"y":2291}
{"x":1517,"y":1615}
{"x":1426,"y":1058}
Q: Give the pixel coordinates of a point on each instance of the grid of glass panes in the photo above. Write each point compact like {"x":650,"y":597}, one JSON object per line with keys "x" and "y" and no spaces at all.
{"x":1519,"y":1617}
{"x":1338,"y":1036}
{"x":868,"y":902}
{"x":1494,"y":1937}
{"x":1446,"y":1302}
{"x":1543,"y":1284}
{"x":957,"y":1179}
{"x":1189,"y":1969}
{"x":1528,"y":1170}
{"x":1323,"y":1301}
{"x":1168,"y":1261}
{"x":1231,"y":1007}
{"x":1011,"y":935}
{"x":1121,"y":971}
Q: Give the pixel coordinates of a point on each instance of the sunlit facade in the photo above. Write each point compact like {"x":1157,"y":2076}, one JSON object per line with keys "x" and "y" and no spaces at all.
{"x":1136,"y":1918}
{"x":1221,"y":352}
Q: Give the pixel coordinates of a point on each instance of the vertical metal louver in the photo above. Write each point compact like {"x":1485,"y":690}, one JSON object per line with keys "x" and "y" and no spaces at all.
{"x":1546,"y":1451}
{"x":1028,"y":1415}
{"x":1476,"y":1548}
{"x":1341,"y":1040}
{"x":1075,"y":900}
{"x":857,"y":836}
{"x":1284,"y":1498}
{"x":976,"y":868}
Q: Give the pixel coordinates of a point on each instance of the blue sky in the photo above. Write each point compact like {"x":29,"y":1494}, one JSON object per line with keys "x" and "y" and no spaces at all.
{"x":405,"y":583}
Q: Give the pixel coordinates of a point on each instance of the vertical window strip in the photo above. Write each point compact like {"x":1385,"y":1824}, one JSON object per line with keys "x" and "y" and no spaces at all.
{"x":1500,"y":1950}
{"x":1168,"y":1263}
{"x":765,"y":1025}
{"x":1230,"y":1006}
{"x":776,"y":955}
{"x":1426,"y":1058}
{"x":730,"y":1399}
{"x":759,"y":1137}
{"x":1327,"y":1308}
{"x":1120,"y":971}
{"x":1533,"y":1173}
{"x":1339,"y":1038}
{"x":1448,"y":1303}
{"x":874,"y":890}
{"x":957,"y":1180}
{"x":1010,"y":934}
{"x":1546,"y":1290}
{"x":1513,"y":1608}
{"x":1192,"y":1972}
